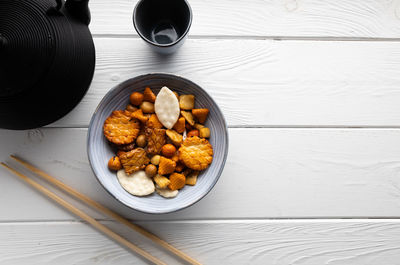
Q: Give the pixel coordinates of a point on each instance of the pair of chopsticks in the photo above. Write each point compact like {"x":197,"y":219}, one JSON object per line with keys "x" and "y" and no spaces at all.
{"x":88,"y":201}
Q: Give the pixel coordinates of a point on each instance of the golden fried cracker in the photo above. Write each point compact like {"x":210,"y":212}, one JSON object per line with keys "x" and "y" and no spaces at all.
{"x":134,"y":160}
{"x":166,"y":166}
{"x":177,"y":181}
{"x":120,"y":128}
{"x":196,"y":153}
{"x":155,"y":140}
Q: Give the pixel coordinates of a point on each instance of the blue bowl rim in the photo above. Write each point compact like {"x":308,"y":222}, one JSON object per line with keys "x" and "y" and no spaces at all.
{"x":121,"y":86}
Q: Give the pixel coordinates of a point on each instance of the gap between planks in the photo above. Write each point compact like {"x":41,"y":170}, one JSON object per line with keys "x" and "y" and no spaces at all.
{"x":214,"y":221}
{"x":218,"y":221}
{"x":240,"y":37}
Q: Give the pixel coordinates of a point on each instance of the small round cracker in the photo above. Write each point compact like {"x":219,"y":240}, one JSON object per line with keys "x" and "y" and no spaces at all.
{"x":196,"y":153}
{"x":120,"y":128}
{"x":138,"y":183}
{"x":167,"y":107}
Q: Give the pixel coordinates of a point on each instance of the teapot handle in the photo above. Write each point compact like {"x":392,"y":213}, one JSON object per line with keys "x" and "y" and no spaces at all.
{"x":79,"y":9}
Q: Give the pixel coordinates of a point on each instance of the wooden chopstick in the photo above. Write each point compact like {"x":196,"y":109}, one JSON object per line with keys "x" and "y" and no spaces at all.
{"x":85,"y":217}
{"x":105,"y":210}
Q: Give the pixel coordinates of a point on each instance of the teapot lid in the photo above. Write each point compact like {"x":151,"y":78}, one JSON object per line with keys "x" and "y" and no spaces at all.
{"x":47,"y":60}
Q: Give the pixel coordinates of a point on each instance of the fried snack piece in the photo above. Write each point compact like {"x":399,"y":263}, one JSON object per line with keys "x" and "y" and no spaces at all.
{"x":189,"y":127}
{"x":136,"y":98}
{"x":137,"y":184}
{"x":131,"y":108}
{"x":161,"y":181}
{"x":114,"y":163}
{"x":155,"y":160}
{"x":126,"y":147}
{"x":175,"y":158}
{"x":155,"y":140}
{"x":120,"y":127}
{"x":141,"y":141}
{"x":196,"y":153}
{"x":148,"y":95}
{"x":134,"y":160}
{"x":153,"y":122}
{"x":180,"y":125}
{"x":179,"y":167}
{"x":120,"y":153}
{"x":198,"y":126}
{"x":204,"y":132}
{"x":138,"y":114}
{"x":166,"y":166}
{"x":187,"y":171}
{"x":193,"y":133}
{"x":175,"y":137}
{"x":167,"y":107}
{"x":191,"y":179}
{"x":186,"y":102}
{"x":200,"y":114}
{"x":168,"y":150}
{"x":167,"y":193}
{"x":188,"y":117}
{"x":147,"y":107}
{"x":177,"y":181}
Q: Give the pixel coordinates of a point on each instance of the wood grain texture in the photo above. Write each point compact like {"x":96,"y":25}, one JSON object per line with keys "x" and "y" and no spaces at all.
{"x":273,"y":83}
{"x":270,"y":173}
{"x":310,"y":18}
{"x":212,"y":242}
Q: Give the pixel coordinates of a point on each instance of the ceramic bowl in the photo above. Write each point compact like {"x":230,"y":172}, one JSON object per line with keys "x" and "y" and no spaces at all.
{"x":100,"y":151}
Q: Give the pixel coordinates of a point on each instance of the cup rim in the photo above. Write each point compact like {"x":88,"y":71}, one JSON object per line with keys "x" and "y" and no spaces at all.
{"x":158,"y":44}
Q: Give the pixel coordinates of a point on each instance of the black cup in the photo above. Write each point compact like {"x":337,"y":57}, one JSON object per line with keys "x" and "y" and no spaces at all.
{"x":163,"y":24}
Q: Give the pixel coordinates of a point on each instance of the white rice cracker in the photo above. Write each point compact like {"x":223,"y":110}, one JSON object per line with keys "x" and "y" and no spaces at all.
{"x":138,"y":183}
{"x":167,"y":107}
{"x":167,"y":193}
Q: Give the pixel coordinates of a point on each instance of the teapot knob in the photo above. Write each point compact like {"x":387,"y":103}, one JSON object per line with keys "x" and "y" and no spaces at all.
{"x":55,"y":10}
{"x":79,"y":9}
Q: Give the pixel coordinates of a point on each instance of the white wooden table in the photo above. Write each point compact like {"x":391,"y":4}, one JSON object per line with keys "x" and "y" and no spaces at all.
{"x":311,"y":93}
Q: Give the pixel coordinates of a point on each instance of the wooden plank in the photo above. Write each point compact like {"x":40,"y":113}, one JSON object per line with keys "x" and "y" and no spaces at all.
{"x":270,"y":173}
{"x":311,"y":18}
{"x":211,"y":242}
{"x":273,"y":83}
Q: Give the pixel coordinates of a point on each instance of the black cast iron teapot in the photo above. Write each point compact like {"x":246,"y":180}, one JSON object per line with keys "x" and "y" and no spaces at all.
{"x":47,"y":60}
